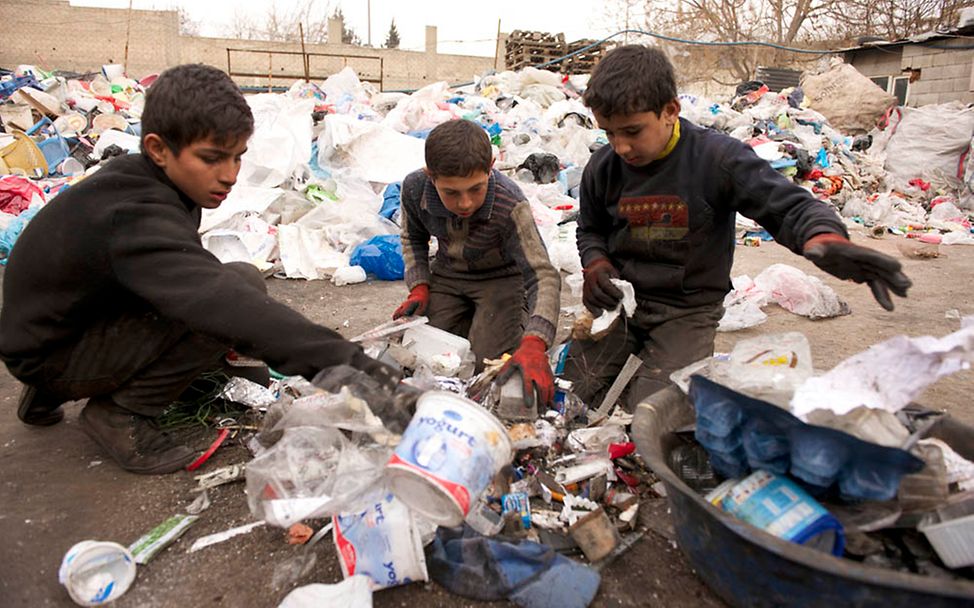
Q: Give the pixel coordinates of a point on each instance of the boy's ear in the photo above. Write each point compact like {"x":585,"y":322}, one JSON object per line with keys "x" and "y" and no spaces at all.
{"x":156,"y":148}
{"x":671,"y":111}
{"x":431,"y":177}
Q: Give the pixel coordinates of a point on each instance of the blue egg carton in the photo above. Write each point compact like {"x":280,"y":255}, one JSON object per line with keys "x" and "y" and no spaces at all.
{"x":742,"y":434}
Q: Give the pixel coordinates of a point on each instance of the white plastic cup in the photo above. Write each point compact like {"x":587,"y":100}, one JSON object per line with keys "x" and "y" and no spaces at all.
{"x":96,"y":572}
{"x":71,"y":166}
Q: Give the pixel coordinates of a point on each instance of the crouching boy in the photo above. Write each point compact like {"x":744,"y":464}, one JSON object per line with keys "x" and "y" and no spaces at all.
{"x":110,"y":295}
{"x":657,"y":209}
{"x":491,"y":268}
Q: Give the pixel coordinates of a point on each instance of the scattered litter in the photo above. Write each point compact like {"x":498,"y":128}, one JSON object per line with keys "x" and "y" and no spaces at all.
{"x":218,"y":477}
{"x":219,"y":537}
{"x":160,"y":537}
{"x":200,"y":503}
{"x":299,"y":533}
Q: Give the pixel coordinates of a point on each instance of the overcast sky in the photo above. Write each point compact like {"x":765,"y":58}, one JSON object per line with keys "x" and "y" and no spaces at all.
{"x":464,"y":26}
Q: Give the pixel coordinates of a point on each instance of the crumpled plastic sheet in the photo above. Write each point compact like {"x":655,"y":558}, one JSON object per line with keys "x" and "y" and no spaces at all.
{"x":281,"y":142}
{"x":18,"y":193}
{"x":312,"y":472}
{"x":887,"y":375}
{"x":353,"y":592}
{"x":800,"y":293}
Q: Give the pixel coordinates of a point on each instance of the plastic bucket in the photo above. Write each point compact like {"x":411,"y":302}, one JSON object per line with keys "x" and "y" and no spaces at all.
{"x":447,"y":457}
{"x":96,"y":572}
{"x":382,"y":543}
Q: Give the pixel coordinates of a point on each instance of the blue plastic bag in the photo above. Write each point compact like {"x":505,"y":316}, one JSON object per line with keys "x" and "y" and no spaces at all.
{"x":390,"y":200}
{"x":380,"y":256}
{"x":9,"y":236}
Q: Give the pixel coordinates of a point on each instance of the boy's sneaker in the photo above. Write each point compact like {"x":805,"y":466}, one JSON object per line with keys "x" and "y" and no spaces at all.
{"x":135,"y":442}
{"x":38,"y":407}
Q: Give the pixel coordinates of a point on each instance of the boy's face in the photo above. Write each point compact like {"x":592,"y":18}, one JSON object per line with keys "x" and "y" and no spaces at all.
{"x":205,"y":171}
{"x":640,"y":138}
{"x":462,"y":196}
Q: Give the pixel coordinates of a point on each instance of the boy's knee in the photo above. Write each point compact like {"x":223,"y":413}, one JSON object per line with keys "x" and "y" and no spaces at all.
{"x":249,"y":273}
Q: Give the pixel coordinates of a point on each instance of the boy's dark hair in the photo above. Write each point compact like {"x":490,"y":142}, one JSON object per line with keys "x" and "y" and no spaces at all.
{"x":631,"y":79}
{"x":458,"y":148}
{"x":191,"y":102}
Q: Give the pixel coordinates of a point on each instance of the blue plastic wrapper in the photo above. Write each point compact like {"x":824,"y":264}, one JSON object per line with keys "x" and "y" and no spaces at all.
{"x":380,"y":256}
{"x":742,"y":434}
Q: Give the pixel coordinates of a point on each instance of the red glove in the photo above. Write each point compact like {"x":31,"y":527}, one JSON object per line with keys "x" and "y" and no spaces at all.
{"x":598,"y":292}
{"x":837,"y":256}
{"x":531,"y":360}
{"x":416,"y":303}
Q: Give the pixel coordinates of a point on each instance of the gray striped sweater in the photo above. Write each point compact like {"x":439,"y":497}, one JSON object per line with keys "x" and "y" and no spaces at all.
{"x":499,"y":240}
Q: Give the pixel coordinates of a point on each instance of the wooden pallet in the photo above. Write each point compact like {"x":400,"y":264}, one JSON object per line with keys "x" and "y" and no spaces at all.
{"x":526,"y":49}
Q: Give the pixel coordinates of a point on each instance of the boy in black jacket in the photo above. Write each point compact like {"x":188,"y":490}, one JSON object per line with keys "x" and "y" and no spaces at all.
{"x":109,"y":293}
{"x":657,"y":209}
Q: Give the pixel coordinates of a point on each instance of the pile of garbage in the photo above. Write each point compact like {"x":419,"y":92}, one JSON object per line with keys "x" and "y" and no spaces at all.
{"x":327,"y":207}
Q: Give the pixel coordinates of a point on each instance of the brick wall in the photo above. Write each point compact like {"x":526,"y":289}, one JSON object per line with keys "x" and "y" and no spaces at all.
{"x":52,"y":34}
{"x":945,"y":75}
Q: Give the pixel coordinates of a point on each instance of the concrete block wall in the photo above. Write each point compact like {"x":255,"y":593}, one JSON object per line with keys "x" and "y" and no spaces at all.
{"x":945,"y":75}
{"x":52,"y":34}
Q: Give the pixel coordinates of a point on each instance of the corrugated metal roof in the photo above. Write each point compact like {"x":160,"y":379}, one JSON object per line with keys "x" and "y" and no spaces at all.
{"x":778,"y":78}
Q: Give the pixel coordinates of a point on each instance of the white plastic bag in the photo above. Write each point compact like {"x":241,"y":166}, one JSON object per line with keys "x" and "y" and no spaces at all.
{"x":312,"y":472}
{"x":800,"y":293}
{"x":928,"y":143}
{"x":281,"y":143}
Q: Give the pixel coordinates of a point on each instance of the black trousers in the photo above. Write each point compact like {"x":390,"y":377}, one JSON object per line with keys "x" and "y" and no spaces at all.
{"x":141,"y":360}
{"x":489,"y":312}
{"x":666,"y":338}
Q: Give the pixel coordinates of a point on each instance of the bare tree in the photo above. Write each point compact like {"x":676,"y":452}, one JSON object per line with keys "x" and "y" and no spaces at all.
{"x":806,"y":24}
{"x":281,"y":24}
{"x":187,"y":25}
{"x":895,"y":19}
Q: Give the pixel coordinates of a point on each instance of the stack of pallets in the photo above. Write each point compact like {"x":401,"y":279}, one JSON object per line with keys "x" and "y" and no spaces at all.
{"x":526,"y":49}
{"x":584,"y":62}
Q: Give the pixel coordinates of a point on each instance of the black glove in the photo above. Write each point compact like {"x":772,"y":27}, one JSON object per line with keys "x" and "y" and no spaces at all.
{"x":598,"y":292}
{"x":837,"y":256}
{"x":392,"y":402}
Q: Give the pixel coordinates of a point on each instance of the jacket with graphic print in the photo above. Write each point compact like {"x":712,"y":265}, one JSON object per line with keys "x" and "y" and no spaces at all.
{"x":668,"y":227}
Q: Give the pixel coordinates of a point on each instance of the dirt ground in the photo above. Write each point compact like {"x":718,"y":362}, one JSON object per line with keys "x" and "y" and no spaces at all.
{"x":58,"y":488}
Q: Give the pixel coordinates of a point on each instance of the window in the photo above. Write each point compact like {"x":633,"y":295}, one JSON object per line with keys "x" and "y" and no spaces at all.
{"x":901,"y":85}
{"x":897,"y":86}
{"x":881,"y":82}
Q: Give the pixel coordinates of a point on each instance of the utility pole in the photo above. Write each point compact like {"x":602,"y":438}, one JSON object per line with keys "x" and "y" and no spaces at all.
{"x":128,"y":29}
{"x":369,"y":17}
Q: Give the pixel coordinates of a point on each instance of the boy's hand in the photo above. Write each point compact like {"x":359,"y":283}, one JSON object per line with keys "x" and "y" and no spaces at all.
{"x":531,"y":360}
{"x":598,"y":292}
{"x":416,"y":303}
{"x":837,"y":256}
